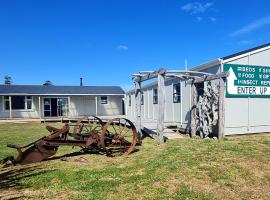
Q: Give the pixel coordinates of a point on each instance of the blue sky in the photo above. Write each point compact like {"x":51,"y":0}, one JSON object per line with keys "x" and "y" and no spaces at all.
{"x":106,"y":41}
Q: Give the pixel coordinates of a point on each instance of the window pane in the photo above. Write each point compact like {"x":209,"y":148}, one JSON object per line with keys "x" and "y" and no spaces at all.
{"x":18,"y":102}
{"x":47,"y":113}
{"x":29,"y":97}
{"x":129,"y":100}
{"x":155,"y":96}
{"x":6,"y":97}
{"x":176,"y":93}
{"x":47,"y":101}
{"x":104,"y":99}
{"x":6,"y":105}
{"x":142,"y":100}
{"x":29,"y":105}
{"x":176,"y":98}
{"x":47,"y":107}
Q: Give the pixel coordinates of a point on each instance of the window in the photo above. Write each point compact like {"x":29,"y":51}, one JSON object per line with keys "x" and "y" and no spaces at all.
{"x":142,"y":99}
{"x":19,"y":102}
{"x":129,"y":100}
{"x":104,"y":100}
{"x":155,"y":96}
{"x":176,"y":93}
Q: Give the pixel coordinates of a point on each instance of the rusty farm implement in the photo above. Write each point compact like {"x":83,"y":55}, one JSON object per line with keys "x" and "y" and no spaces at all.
{"x":118,"y":136}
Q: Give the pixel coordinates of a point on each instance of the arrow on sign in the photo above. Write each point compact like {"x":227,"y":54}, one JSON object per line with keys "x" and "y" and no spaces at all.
{"x":230,"y":81}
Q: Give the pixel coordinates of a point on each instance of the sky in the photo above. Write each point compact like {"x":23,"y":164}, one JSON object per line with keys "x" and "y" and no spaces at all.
{"x":106,"y":41}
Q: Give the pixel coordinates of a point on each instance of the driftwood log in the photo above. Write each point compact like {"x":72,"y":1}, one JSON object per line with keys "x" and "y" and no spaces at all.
{"x":207,"y":111}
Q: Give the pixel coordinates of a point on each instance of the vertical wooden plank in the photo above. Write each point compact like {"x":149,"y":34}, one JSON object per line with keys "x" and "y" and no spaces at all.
{"x":69,"y":107}
{"x":221,"y":112}
{"x":193,"y":109}
{"x":96,"y":99}
{"x":161,"y":106}
{"x":10,"y":107}
{"x":138,"y":108}
{"x":39,"y":106}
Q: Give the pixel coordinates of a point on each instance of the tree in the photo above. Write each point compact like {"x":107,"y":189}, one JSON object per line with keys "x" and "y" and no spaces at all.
{"x":48,"y":83}
{"x":8,"y":80}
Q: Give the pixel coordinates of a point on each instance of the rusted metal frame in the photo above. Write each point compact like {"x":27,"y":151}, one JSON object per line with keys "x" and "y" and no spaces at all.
{"x":47,"y":146}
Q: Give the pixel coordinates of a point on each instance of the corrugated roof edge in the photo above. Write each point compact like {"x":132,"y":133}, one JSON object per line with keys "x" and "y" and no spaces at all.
{"x":121,"y":91}
{"x":217,"y":61}
{"x":246,"y":51}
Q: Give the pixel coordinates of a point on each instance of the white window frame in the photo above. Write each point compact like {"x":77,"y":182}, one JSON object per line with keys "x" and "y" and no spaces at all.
{"x":106,"y":102}
{"x":129,"y":100}
{"x":155,"y":89}
{"x":174,"y":93}
{"x":142,"y":98}
{"x":25,"y":103}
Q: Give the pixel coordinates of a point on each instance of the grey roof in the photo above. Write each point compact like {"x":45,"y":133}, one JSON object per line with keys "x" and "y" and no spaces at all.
{"x":214,"y":62}
{"x":60,"y":90}
{"x":246,"y":51}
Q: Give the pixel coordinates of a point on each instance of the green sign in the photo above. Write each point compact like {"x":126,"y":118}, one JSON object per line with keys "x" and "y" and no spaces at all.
{"x":247,"y":80}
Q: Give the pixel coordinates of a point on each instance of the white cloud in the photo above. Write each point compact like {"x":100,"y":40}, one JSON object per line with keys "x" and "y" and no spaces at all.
{"x":257,"y":24}
{"x":245,"y":42}
{"x":196,"y":7}
{"x":213,"y":19}
{"x":122,"y":47}
{"x":199,"y":19}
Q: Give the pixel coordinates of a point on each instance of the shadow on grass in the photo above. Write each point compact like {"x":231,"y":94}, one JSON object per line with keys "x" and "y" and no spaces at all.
{"x":11,"y":179}
{"x":89,"y":151}
{"x":77,"y":153}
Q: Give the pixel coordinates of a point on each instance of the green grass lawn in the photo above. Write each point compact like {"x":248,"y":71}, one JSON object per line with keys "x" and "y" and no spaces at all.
{"x":235,"y":168}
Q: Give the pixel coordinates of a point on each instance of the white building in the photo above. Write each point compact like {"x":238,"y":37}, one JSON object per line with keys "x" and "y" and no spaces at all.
{"x":39,"y":101}
{"x":247,"y":99}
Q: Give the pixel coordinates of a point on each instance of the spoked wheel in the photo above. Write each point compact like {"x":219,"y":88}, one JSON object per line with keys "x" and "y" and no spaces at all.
{"x":118,"y":137}
{"x":87,"y":125}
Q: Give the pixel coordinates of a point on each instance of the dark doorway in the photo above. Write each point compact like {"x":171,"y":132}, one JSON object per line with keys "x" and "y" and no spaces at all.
{"x":200,"y":89}
{"x":53,"y":107}
{"x":123,"y":107}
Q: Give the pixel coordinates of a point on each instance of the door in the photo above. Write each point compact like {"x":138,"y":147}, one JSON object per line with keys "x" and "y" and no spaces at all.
{"x":55,"y":107}
{"x":62,"y":106}
{"x":47,"y":107}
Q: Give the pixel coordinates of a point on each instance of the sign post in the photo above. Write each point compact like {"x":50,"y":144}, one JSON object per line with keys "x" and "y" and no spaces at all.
{"x":247,"y":81}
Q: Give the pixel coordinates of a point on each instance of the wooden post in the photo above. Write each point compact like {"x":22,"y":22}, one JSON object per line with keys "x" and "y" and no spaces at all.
{"x":69,"y":107}
{"x":10,"y":107}
{"x":96,"y":100}
{"x":39,"y":106}
{"x":161,"y":104}
{"x":138,"y":107}
{"x":193,"y":109}
{"x":221,"y":112}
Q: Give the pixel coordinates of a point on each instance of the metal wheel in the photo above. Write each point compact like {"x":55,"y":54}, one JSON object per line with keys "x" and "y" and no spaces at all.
{"x":118,"y":137}
{"x":87,"y":125}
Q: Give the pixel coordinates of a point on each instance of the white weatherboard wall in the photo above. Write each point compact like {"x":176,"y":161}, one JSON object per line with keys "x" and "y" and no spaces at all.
{"x":149,"y":111}
{"x":79,"y":106}
{"x":33,"y":113}
{"x":248,"y":115}
{"x":86,"y":105}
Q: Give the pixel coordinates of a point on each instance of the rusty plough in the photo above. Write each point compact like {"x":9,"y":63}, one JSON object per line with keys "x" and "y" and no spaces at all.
{"x":116,"y":137}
